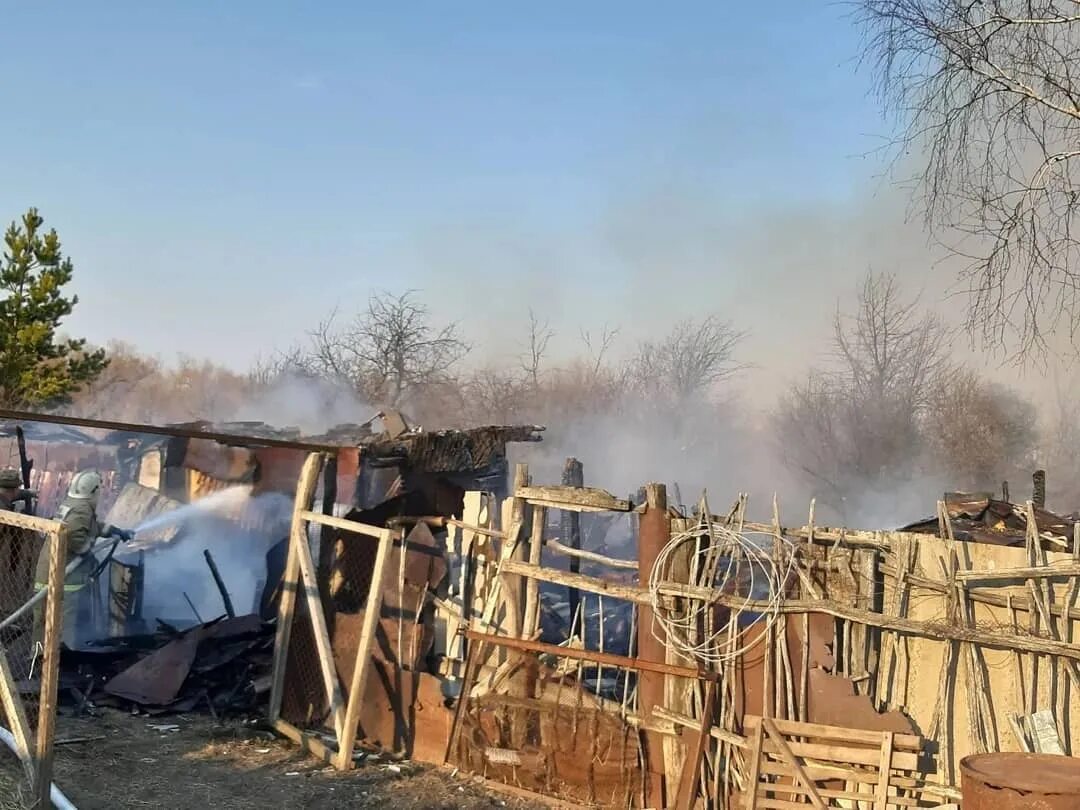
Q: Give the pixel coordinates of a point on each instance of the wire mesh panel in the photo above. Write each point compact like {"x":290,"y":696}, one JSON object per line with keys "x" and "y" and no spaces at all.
{"x":32,"y":562}
{"x":304,"y":701}
{"x":22,"y":634}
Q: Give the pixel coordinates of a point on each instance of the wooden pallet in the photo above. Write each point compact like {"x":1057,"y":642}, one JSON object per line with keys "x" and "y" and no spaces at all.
{"x":796,"y":765}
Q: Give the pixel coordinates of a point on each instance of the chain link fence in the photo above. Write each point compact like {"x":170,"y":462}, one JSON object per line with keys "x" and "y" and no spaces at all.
{"x":29,"y":649}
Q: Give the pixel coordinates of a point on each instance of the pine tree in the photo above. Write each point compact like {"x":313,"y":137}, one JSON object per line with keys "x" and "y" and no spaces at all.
{"x":38,"y":369}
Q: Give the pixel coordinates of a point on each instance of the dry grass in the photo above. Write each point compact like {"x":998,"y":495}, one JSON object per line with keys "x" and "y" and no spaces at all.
{"x":233,"y":767}
{"x":13,"y":784}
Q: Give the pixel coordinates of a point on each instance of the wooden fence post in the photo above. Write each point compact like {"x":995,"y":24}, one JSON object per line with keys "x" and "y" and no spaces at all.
{"x":50,"y":671}
{"x":655,"y":532}
{"x":290,"y":580}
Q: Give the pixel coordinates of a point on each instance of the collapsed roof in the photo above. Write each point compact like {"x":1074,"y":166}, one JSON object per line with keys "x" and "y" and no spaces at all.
{"x":979,"y":517}
{"x":46,"y":432}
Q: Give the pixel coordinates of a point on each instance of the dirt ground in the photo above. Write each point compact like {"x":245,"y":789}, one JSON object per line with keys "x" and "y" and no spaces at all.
{"x":233,"y":767}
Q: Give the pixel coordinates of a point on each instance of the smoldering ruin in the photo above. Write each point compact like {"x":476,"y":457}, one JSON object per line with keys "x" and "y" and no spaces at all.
{"x":385,"y":588}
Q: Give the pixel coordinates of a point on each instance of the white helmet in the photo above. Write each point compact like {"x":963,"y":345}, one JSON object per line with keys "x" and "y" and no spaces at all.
{"x":85,"y":485}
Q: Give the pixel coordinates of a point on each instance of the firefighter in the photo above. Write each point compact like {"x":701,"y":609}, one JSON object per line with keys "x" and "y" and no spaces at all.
{"x":18,"y":546}
{"x":12,"y":495}
{"x":78,"y":514}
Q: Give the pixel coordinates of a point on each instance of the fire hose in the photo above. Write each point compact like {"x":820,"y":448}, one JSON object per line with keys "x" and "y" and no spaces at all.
{"x":37,"y":597}
{"x":59,"y":800}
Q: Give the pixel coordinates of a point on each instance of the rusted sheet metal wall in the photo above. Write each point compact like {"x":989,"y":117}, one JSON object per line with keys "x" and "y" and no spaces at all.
{"x":574,"y":748}
{"x":279,"y":468}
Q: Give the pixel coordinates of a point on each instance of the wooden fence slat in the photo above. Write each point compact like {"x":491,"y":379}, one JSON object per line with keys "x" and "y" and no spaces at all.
{"x":793,"y":761}
{"x":16,"y":714}
{"x":757,"y":738}
{"x":884,"y":772}
{"x":322,"y":634}
{"x":290,"y":580}
{"x":50,"y":670}
{"x":697,"y":740}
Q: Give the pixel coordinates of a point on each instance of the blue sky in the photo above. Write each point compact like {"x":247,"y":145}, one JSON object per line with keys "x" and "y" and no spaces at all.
{"x":224,"y":174}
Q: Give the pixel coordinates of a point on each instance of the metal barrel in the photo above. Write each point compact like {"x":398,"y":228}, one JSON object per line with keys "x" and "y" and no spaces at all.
{"x":1017,"y":781}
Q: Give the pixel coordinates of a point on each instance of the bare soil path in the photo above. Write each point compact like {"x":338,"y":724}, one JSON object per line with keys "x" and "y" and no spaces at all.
{"x":201,"y":765}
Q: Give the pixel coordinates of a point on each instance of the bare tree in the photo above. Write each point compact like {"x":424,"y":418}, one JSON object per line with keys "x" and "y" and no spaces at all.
{"x":890,"y":348}
{"x":856,"y":425}
{"x":988,"y":93}
{"x":691,"y":359}
{"x":810,"y":426}
{"x":139,"y":388}
{"x":266,"y":371}
{"x":390,"y":352}
{"x":979,"y":432}
{"x":598,"y":346}
{"x":540,"y":334}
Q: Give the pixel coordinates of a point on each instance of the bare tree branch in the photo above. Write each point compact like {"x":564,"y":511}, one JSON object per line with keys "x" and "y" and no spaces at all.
{"x":388,"y":353}
{"x":856,"y":426}
{"x":691,"y":360}
{"x":540,"y":334}
{"x":989,"y":93}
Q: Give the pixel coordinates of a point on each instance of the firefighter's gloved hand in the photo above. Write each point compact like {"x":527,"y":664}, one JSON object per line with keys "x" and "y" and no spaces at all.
{"x":126,"y":535}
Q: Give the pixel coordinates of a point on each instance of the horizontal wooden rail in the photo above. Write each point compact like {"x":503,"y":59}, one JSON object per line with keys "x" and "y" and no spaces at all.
{"x":607,"y":659}
{"x":181,"y":432}
{"x":1038,"y":572}
{"x":341,"y":523}
{"x":34,"y":524}
{"x":591,"y":556}
{"x":938,"y":631}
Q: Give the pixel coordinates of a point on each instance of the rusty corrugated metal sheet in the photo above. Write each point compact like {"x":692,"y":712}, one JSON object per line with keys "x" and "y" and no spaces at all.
{"x":1015,"y":781}
{"x":980,"y":518}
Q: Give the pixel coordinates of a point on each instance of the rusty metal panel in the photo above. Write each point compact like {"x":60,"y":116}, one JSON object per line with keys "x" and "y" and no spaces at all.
{"x":217,"y":460}
{"x":568,"y":747}
{"x":1017,"y":781}
{"x":156,"y":680}
{"x":970,"y":505}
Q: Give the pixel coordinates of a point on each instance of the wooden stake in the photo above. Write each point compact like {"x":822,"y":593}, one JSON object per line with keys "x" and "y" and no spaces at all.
{"x":531,"y":623}
{"x":16,"y":715}
{"x":305,"y":492}
{"x":881,"y":798}
{"x":50,"y":670}
{"x":468,"y":679}
{"x":1017,"y":659}
{"x":695,"y":750}
{"x":757,"y":739}
{"x":323,"y":647}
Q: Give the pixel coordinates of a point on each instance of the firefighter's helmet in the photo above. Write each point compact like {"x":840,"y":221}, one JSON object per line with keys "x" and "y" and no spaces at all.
{"x":85,"y":485}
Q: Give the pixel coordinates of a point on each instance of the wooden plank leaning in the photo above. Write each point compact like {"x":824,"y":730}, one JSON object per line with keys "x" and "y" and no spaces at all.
{"x":50,"y":670}
{"x":372,"y":609}
{"x":697,"y":741}
{"x":16,"y":715}
{"x":320,"y":630}
{"x":789,"y":756}
{"x":290,"y":580}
